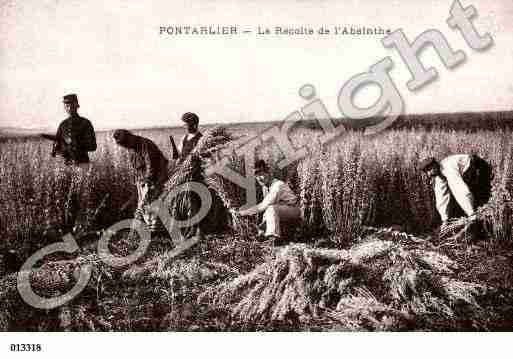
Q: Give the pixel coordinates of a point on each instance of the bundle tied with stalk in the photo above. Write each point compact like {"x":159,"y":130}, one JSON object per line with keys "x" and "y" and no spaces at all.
{"x":457,"y":228}
{"x":193,"y":166}
{"x":495,"y":217}
{"x":193,"y":169}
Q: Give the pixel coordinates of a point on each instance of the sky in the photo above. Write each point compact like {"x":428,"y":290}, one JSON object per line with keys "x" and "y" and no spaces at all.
{"x":126,"y":74}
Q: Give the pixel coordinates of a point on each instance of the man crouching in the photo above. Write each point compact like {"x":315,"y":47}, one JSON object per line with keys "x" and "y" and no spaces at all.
{"x":151,"y":173}
{"x":279,"y":204}
{"x":461,"y":179}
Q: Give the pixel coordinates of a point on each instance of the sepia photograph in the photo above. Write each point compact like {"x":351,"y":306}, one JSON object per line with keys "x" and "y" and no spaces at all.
{"x":248,"y":166}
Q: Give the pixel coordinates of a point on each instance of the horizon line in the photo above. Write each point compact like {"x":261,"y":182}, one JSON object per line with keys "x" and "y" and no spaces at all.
{"x":102,"y":129}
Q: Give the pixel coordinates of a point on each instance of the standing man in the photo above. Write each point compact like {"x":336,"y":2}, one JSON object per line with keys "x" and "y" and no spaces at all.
{"x":459,"y":179}
{"x":187,"y":144}
{"x":75,"y":136}
{"x":74,"y":139}
{"x":279,"y":205}
{"x":190,"y":139}
{"x":151,"y":173}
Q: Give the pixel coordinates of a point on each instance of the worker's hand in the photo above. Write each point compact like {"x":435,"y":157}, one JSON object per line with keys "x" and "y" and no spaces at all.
{"x":68,"y":140}
{"x":150,"y":186}
{"x":473,"y":217}
{"x":443,"y":226}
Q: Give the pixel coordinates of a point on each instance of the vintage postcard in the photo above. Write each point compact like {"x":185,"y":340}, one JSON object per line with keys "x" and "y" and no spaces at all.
{"x":255,"y":166}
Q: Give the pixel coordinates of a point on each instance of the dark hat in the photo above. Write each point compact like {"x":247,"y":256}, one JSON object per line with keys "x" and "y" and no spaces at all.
{"x":71,"y":98}
{"x":261,"y":166}
{"x":427,"y":163}
{"x":190,"y":117}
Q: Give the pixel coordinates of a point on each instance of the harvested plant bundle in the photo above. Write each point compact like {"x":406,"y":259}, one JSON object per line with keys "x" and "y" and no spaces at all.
{"x":219,"y":185}
{"x":214,"y":140}
{"x":402,"y":282}
{"x":50,"y":280}
{"x":192,"y":169}
{"x":499,"y":207}
{"x":191,"y":272}
{"x":142,"y":289}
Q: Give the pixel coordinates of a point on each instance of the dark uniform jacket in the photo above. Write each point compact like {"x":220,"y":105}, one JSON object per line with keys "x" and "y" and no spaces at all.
{"x":83,"y":139}
{"x":149,"y":163}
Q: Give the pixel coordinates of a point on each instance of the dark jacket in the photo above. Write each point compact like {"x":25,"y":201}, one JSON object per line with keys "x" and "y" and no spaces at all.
{"x":189,"y":145}
{"x":83,"y":140}
{"x":147,"y":160}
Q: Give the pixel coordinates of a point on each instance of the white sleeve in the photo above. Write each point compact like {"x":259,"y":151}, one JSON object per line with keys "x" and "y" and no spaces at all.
{"x":442,"y":198}
{"x":271,"y":197}
{"x":460,"y":191}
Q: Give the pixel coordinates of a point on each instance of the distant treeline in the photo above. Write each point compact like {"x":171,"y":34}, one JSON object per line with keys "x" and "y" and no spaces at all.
{"x":466,"y":121}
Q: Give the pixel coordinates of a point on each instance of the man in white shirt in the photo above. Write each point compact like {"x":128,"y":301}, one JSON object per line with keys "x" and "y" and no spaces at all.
{"x":464,"y":178}
{"x":280,"y":204}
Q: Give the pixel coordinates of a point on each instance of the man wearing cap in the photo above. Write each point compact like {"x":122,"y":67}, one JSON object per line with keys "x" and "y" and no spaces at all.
{"x":74,"y":139}
{"x":187,"y":144}
{"x":75,"y":136}
{"x":190,"y":139}
{"x":151,"y":174}
{"x":464,"y":178}
{"x":279,"y":204}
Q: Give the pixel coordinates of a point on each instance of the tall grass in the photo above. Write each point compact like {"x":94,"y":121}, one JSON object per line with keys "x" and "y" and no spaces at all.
{"x":354,"y":182}
{"x":362,"y":180}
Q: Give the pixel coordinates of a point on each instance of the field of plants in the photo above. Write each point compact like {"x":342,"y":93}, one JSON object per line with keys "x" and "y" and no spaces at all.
{"x":367,"y":258}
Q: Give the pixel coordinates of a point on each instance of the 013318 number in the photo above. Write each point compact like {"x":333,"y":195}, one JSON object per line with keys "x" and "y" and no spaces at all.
{"x":26,"y":347}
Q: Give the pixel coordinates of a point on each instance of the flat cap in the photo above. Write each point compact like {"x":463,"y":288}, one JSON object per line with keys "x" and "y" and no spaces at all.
{"x":427,"y":163}
{"x":190,"y":117}
{"x":71,"y":98}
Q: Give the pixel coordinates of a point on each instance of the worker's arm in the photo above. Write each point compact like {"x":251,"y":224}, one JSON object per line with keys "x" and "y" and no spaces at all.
{"x":270,"y":199}
{"x":460,"y":191}
{"x":58,"y":142}
{"x":442,"y":198}
{"x":89,"y":138}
